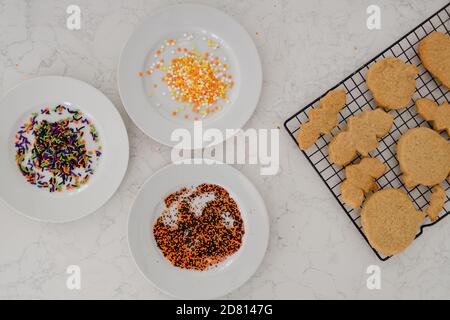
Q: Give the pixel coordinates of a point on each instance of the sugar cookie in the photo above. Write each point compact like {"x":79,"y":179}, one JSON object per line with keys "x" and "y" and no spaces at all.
{"x":322,"y":119}
{"x":360,"y":136}
{"x":390,"y":221}
{"x":434,"y":52}
{"x":392,"y":82}
{"x":424,"y":157}
{"x":360,"y":180}
{"x":437,"y":202}
{"x":439,"y":116}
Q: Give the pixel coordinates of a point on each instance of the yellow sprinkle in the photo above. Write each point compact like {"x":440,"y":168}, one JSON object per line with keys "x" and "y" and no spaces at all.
{"x":212,"y":44}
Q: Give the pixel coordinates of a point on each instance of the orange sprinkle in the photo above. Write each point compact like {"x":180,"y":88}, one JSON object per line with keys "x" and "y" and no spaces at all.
{"x":192,"y":79}
{"x":198,"y":240}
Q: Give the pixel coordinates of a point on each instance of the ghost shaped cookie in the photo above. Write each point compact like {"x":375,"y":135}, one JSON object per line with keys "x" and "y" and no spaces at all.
{"x":434,"y":52}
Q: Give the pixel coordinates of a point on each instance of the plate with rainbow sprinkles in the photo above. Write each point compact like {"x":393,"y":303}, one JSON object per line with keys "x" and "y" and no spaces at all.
{"x":63,"y":146}
{"x":198,"y":231}
{"x":189,"y":63}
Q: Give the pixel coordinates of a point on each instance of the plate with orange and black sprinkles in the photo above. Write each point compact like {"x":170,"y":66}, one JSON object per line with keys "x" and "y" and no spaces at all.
{"x":64,"y":149}
{"x":198,"y":231}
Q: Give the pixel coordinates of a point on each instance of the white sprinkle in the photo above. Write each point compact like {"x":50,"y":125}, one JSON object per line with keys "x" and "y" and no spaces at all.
{"x":170,"y":215}
{"x":199,"y":202}
{"x":228,"y":221}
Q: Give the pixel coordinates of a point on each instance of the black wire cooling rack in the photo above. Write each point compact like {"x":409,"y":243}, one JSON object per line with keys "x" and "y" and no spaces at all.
{"x":359,"y":98}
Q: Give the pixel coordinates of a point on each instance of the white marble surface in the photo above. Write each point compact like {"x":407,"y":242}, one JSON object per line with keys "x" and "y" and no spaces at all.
{"x":314,"y":251}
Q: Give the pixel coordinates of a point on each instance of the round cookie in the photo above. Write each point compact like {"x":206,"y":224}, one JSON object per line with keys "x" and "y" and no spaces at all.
{"x":390,"y":221}
{"x":424,"y":157}
{"x":392,"y":82}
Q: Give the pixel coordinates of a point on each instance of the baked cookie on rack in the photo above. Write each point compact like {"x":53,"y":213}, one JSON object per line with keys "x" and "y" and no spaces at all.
{"x":392,"y":82}
{"x":424,"y":157}
{"x":360,"y":136}
{"x":439,"y":116}
{"x":322,"y":119}
{"x":360,"y":179}
{"x":390,"y":221}
{"x":437,"y":202}
{"x":434,"y":52}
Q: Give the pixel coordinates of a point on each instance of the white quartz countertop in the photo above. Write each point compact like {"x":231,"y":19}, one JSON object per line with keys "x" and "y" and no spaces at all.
{"x":314,"y":251}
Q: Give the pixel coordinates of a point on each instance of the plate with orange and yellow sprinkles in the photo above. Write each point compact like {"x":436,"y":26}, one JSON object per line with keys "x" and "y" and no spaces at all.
{"x":198,"y":231}
{"x":189,"y":63}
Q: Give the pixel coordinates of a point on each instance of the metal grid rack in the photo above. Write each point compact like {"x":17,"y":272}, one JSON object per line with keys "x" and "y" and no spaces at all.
{"x":359,"y":98}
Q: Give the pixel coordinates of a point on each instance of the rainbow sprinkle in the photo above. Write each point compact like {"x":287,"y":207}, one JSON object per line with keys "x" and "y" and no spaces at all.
{"x":57,"y":149}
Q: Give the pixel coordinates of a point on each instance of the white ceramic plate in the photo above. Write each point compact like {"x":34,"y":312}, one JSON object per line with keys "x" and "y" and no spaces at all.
{"x":189,"y":24}
{"x":189,"y":284}
{"x":40,"y":204}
